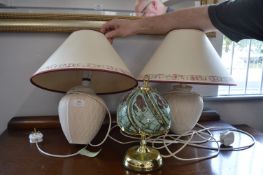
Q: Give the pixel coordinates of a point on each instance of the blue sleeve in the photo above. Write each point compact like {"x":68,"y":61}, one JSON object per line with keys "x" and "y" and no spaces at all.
{"x":238,"y":19}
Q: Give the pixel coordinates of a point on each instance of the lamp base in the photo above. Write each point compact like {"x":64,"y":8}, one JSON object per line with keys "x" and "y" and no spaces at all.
{"x":142,"y":159}
{"x":186,"y":107}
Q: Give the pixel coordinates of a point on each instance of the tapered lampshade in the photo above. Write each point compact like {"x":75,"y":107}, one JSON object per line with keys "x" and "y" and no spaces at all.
{"x":84,"y":65}
{"x":186,"y":57}
{"x":84,"y":51}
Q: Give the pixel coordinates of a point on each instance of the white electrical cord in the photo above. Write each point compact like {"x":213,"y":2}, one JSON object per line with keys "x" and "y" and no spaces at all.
{"x":36,"y":137}
{"x":229,"y":129}
{"x":122,"y":142}
{"x":205,"y":134}
{"x":61,"y":156}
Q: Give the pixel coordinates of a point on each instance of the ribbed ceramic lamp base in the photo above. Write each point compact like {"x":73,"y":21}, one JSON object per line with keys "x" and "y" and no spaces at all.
{"x":144,"y":159}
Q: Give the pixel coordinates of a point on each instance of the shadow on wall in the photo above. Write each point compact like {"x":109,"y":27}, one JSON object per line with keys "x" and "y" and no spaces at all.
{"x":2,"y":5}
{"x":40,"y":102}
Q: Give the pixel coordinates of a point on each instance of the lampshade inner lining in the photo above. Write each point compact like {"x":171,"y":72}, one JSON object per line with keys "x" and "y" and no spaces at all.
{"x":101,"y":81}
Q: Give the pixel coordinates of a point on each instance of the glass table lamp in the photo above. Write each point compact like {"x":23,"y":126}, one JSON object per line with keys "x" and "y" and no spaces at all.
{"x":84,"y":65}
{"x":143,"y":112}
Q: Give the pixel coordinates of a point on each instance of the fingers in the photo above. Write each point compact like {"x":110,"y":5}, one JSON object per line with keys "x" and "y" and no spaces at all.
{"x":110,"y":35}
{"x":108,"y":26}
{"x":117,"y":28}
{"x":113,"y":34}
{"x":105,"y":27}
{"x":109,"y":29}
{"x":114,"y":28}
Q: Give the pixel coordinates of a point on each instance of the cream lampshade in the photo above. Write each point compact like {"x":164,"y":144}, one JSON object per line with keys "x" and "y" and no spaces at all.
{"x":84,"y":65}
{"x":186,"y":57}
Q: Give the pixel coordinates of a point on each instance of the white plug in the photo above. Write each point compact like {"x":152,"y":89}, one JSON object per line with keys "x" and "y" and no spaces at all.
{"x":227,"y":138}
{"x":35,"y":137}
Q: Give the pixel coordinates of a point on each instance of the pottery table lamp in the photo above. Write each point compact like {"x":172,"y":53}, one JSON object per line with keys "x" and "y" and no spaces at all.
{"x":185,"y":57}
{"x":84,"y":65}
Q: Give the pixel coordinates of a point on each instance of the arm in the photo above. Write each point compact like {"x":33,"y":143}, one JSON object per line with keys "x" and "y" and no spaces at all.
{"x":193,"y":18}
{"x":239,"y":19}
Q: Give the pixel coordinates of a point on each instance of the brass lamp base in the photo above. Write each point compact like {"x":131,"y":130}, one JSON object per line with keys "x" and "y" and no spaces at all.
{"x":142,"y":159}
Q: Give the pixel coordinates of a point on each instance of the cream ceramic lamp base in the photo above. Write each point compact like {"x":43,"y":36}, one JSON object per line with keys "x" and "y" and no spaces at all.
{"x":81,"y":114}
{"x":186,"y":108}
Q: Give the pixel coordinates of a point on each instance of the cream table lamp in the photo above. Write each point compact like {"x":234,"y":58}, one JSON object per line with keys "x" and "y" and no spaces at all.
{"x":84,"y":65}
{"x":186,"y":57}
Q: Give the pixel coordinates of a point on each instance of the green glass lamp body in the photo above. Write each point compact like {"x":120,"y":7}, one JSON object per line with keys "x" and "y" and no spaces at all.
{"x":146,"y":113}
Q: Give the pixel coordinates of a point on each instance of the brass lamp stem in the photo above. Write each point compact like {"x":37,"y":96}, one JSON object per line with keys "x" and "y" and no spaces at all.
{"x":145,"y":83}
{"x":143,"y":145}
{"x":142,"y":158}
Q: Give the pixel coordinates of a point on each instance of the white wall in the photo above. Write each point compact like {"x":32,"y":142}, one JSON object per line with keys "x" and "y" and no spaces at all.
{"x":22,"y":53}
{"x":240,"y":112}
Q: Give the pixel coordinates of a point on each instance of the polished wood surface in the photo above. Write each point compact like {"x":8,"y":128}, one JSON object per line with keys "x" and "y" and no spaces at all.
{"x":258,"y":135}
{"x":18,"y":156}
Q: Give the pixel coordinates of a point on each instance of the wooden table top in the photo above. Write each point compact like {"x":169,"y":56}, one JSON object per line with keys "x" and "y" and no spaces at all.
{"x":18,"y":156}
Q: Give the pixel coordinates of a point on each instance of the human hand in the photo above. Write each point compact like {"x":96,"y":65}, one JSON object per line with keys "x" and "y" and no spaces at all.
{"x":118,"y":28}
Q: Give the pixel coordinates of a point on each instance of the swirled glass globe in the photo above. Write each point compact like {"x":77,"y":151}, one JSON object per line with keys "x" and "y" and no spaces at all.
{"x":144,"y":111}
